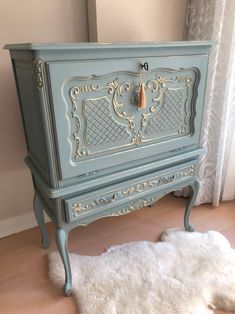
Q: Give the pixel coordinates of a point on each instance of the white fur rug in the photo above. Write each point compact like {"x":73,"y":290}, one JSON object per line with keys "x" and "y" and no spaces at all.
{"x":185,"y":273}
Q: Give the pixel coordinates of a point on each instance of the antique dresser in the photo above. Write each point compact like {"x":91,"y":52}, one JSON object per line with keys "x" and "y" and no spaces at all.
{"x":110,"y":128}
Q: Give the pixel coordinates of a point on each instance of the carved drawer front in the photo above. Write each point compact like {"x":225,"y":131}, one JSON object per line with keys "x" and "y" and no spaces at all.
{"x":97,"y":115}
{"x":129,"y":195}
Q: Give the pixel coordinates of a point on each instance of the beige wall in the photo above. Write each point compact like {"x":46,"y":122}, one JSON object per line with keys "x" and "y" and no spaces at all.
{"x":27,"y":21}
{"x":136,"y":20}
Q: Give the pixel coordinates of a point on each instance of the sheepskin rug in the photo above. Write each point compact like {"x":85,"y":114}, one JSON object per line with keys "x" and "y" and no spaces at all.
{"x":185,"y":273}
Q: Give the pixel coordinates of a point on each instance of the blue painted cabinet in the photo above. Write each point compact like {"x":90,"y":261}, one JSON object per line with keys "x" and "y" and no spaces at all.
{"x":93,"y":152}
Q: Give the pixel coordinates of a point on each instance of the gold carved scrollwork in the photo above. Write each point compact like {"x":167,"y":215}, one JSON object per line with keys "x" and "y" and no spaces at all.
{"x":158,"y":85}
{"x":78,"y":208}
{"x":137,"y":139}
{"x":184,"y":78}
{"x":117,"y":89}
{"x":38,"y":72}
{"x":112,"y":86}
{"x":74,"y":96}
{"x":138,"y":205}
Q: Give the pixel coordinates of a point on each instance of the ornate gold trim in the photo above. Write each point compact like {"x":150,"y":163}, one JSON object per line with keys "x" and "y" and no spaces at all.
{"x":158,"y":181}
{"x":116,"y":105}
{"x":137,"y":139}
{"x":115,"y":88}
{"x":38,"y":72}
{"x":78,"y":208}
{"x":138,"y":205}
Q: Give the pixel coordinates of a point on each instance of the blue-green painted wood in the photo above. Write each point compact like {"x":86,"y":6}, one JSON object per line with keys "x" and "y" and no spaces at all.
{"x":193,"y":195}
{"x":91,"y":152}
{"x":31,"y":116}
{"x":186,"y":45}
{"x":133,"y":189}
{"x":88,"y":51}
{"x":38,"y":210}
{"x":121,"y":173}
{"x":62,"y":244}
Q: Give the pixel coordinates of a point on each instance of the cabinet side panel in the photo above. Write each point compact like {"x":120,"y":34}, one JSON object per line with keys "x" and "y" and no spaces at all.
{"x":31,"y":117}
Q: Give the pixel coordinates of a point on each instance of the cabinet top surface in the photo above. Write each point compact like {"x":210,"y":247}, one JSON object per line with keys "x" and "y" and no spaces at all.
{"x":89,"y":45}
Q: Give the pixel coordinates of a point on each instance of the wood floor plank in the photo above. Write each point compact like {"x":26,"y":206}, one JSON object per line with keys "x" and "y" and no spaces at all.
{"x":24,"y":284}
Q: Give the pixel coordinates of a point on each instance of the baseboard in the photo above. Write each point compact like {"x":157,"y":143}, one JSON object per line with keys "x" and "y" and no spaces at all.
{"x":19,"y":223}
{"x":228,"y":197}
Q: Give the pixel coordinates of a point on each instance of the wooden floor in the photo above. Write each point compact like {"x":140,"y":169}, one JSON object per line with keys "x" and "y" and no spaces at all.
{"x":24,"y":284}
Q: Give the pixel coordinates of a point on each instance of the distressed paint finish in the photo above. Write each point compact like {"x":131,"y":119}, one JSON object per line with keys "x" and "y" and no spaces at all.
{"x":92,"y":152}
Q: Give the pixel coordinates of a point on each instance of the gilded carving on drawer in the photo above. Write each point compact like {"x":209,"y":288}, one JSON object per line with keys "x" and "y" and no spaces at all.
{"x":144,"y":186}
{"x":148,"y":185}
{"x":78,"y":208}
{"x":106,"y":116}
{"x":138,"y":205}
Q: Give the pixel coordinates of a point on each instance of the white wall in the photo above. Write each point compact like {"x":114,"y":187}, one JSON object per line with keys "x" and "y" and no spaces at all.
{"x":136,"y":20}
{"x":26,"y":21}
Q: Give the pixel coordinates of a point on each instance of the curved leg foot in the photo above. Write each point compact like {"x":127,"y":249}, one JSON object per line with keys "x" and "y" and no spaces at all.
{"x":61,"y":240}
{"x":194,"y":191}
{"x":189,"y":228}
{"x":67,"y":289}
{"x":38,"y":210}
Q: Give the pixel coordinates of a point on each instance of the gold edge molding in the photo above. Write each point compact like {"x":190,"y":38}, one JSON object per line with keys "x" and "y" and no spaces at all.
{"x":78,"y":208}
{"x":38,"y":72}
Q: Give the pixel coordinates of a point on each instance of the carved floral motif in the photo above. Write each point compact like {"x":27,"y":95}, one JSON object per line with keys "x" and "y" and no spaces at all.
{"x":138,"y":205}
{"x":38,"y":68}
{"x":117,"y":89}
{"x":78,"y":208}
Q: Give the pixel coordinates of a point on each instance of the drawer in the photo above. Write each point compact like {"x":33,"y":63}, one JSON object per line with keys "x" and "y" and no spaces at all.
{"x":128,"y":195}
{"x":97,"y":122}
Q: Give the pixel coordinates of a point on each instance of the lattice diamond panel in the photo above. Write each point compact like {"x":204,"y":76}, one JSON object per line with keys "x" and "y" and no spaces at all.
{"x":172,"y":114}
{"x":100,"y":127}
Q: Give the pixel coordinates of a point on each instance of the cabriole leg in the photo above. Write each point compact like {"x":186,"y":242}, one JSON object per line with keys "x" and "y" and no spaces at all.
{"x":62,"y":240}
{"x":193,"y":195}
{"x":38,"y":210}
